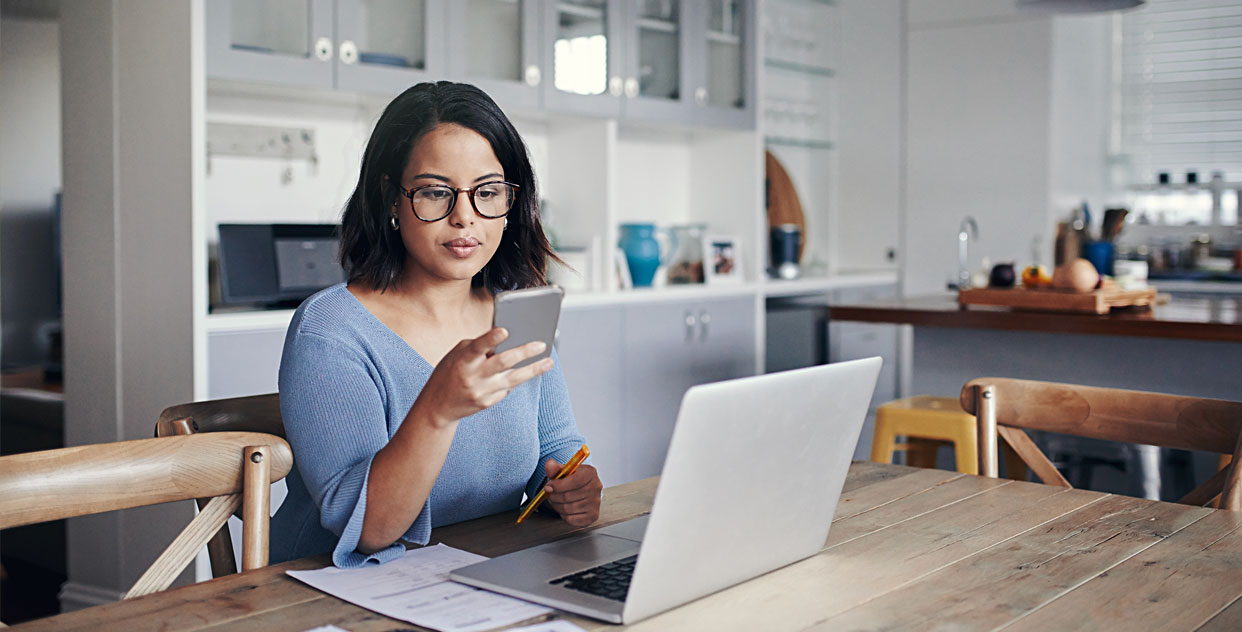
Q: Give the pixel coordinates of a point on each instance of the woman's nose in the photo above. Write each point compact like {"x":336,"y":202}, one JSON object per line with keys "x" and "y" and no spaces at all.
{"x":463,"y":210}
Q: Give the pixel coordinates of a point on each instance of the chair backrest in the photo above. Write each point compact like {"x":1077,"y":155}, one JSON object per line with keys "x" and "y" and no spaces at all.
{"x":1006,"y":406}
{"x":230,"y":468}
{"x":255,"y":413}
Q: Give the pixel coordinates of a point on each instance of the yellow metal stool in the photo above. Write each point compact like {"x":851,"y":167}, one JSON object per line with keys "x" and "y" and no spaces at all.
{"x":924,"y":417}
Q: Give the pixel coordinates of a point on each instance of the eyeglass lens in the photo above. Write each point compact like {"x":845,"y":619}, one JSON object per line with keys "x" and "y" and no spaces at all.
{"x":434,"y":202}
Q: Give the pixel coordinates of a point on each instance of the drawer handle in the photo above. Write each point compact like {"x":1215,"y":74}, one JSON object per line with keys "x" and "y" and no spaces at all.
{"x":691,"y":321}
{"x":705,"y":322}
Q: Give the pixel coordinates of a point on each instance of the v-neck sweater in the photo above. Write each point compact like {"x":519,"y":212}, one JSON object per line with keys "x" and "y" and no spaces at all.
{"x":346,"y":384}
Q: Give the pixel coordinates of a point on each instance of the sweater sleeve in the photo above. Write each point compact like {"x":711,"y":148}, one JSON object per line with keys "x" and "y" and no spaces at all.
{"x":558,"y":432}
{"x":335,"y":419}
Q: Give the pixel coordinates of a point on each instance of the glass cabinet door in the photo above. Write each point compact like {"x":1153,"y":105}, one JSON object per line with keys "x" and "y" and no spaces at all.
{"x":494,"y":44}
{"x":655,"y":83}
{"x":388,"y":45}
{"x":582,"y":53}
{"x":724,"y":94}
{"x":278,"y":41}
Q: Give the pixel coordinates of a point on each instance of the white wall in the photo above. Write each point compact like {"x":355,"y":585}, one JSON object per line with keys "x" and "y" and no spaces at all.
{"x":979,"y":113}
{"x":132,"y":105}
{"x":1081,"y":116}
{"x":29,"y":178}
{"x":870,"y":132}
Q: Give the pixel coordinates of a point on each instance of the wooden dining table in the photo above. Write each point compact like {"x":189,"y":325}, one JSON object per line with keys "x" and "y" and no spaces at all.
{"x":908,"y":549}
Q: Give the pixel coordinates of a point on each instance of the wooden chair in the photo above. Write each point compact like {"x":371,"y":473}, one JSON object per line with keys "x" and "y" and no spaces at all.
{"x":256,"y":413}
{"x":231,"y":468}
{"x":1005,"y":407}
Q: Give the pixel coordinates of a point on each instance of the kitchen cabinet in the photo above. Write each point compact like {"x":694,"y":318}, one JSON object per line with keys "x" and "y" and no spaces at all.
{"x":287,"y":42}
{"x":673,"y":61}
{"x":851,"y":340}
{"x":497,"y":46}
{"x":386,"y":46}
{"x":722,"y":62}
{"x":589,"y":349}
{"x":243,"y":362}
{"x":670,"y":347}
{"x":378,"y":46}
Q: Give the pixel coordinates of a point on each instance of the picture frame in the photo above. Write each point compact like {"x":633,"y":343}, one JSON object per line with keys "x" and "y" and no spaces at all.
{"x":722,"y":260}
{"x":623,"y":270}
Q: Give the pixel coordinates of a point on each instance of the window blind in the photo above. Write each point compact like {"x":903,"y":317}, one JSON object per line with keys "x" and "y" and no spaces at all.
{"x":1181,"y":88}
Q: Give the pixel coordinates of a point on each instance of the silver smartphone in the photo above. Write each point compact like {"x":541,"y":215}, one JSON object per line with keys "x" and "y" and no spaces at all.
{"x":529,"y":315}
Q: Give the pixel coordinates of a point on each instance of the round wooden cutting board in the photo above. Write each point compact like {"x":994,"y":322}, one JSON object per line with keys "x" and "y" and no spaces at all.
{"x":782,"y":198}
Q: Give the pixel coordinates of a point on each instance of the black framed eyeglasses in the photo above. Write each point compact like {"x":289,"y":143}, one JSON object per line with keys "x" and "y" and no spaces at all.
{"x":434,"y":202}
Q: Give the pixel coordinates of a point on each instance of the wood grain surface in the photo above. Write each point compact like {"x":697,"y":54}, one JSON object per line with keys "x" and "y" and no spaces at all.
{"x":908,"y":549}
{"x":782,"y":201}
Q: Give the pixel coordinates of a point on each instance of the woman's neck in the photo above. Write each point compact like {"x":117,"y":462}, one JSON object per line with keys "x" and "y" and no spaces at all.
{"x":440,"y":301}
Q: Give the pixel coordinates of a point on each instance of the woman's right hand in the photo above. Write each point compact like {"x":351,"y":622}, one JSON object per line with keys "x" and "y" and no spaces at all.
{"x":471,"y":378}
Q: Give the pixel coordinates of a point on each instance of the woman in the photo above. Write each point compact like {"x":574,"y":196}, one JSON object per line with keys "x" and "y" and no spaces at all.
{"x":400,"y":416}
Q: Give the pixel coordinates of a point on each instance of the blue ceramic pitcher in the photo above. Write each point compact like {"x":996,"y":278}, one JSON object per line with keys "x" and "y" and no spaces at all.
{"x":642,"y":251}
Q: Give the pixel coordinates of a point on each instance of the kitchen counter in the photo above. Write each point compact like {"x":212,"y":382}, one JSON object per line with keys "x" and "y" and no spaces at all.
{"x":1208,"y":318}
{"x":1191,"y":346}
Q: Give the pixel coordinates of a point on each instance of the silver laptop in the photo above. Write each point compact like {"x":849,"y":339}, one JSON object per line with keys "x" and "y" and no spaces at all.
{"x":750,"y":484}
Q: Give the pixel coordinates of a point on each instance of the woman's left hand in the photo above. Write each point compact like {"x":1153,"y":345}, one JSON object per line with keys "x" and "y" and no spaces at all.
{"x":577,"y":496}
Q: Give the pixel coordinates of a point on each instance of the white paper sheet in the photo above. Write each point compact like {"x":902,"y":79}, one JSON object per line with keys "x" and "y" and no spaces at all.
{"x":415,"y":588}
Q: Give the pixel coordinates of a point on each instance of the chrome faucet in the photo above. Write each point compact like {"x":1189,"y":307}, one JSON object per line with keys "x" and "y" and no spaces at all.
{"x":966,"y":231}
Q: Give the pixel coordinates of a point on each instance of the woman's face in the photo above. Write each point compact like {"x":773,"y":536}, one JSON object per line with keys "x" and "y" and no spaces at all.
{"x":458,"y":246}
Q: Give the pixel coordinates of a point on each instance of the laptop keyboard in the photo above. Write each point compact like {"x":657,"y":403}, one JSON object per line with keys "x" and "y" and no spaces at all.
{"x":610,"y":581}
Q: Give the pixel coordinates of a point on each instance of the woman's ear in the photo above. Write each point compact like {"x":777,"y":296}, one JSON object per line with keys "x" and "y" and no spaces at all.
{"x":388,"y":192}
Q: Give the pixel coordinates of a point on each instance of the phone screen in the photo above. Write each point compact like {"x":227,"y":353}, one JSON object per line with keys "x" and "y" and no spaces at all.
{"x":529,"y":315}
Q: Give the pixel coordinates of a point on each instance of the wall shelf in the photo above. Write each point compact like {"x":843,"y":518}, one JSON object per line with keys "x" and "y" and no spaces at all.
{"x":806,"y":69}
{"x":805,"y":143}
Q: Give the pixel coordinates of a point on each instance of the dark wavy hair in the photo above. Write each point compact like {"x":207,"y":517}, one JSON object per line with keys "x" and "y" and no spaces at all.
{"x":373,"y":253}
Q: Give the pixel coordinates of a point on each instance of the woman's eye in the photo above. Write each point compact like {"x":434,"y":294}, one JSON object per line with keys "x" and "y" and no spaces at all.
{"x":485,"y":194}
{"x":433,"y":194}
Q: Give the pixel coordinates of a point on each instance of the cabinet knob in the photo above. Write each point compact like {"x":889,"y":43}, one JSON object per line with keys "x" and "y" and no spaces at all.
{"x":705,"y":322}
{"x":700,"y":96}
{"x":691,"y":321}
{"x":631,"y":87}
{"x":614,"y":86}
{"x":323,"y":49}
{"x":533,"y":76}
{"x":349,"y":52}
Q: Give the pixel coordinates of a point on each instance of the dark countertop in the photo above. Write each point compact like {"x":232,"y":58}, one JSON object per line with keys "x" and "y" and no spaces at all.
{"x":1216,"y":318}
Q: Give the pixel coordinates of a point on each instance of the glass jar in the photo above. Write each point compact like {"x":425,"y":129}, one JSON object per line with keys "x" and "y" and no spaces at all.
{"x":687,"y":261}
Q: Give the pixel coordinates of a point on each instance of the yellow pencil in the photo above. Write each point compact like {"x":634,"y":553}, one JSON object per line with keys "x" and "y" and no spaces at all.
{"x":566,"y":470}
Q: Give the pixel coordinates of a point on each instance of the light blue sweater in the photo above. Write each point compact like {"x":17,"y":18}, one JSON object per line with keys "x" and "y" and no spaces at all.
{"x":346,"y":384}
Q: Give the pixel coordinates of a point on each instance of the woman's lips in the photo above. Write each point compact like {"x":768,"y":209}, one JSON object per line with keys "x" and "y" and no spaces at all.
{"x":462,"y":247}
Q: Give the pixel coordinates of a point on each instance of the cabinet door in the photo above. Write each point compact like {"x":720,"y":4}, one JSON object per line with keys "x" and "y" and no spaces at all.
{"x":582,"y":56}
{"x":589,"y":348}
{"x":273,"y":41}
{"x":660,"y":346}
{"x":655,"y":83}
{"x":726,"y":335}
{"x":851,"y":341}
{"x":386,"y":46}
{"x":723,"y":62}
{"x":241,"y":363}
{"x":495,"y":45}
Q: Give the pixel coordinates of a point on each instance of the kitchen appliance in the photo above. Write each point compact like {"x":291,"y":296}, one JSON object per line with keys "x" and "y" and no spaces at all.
{"x":277,"y":264}
{"x":786,"y":244}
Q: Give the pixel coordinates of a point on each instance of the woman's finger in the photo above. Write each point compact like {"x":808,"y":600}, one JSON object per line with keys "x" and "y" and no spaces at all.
{"x":515,"y":377}
{"x":506,"y":359}
{"x":486,"y":344}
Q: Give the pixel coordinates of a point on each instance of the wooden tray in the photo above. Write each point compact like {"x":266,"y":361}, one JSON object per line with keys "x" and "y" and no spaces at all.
{"x":1098,"y":302}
